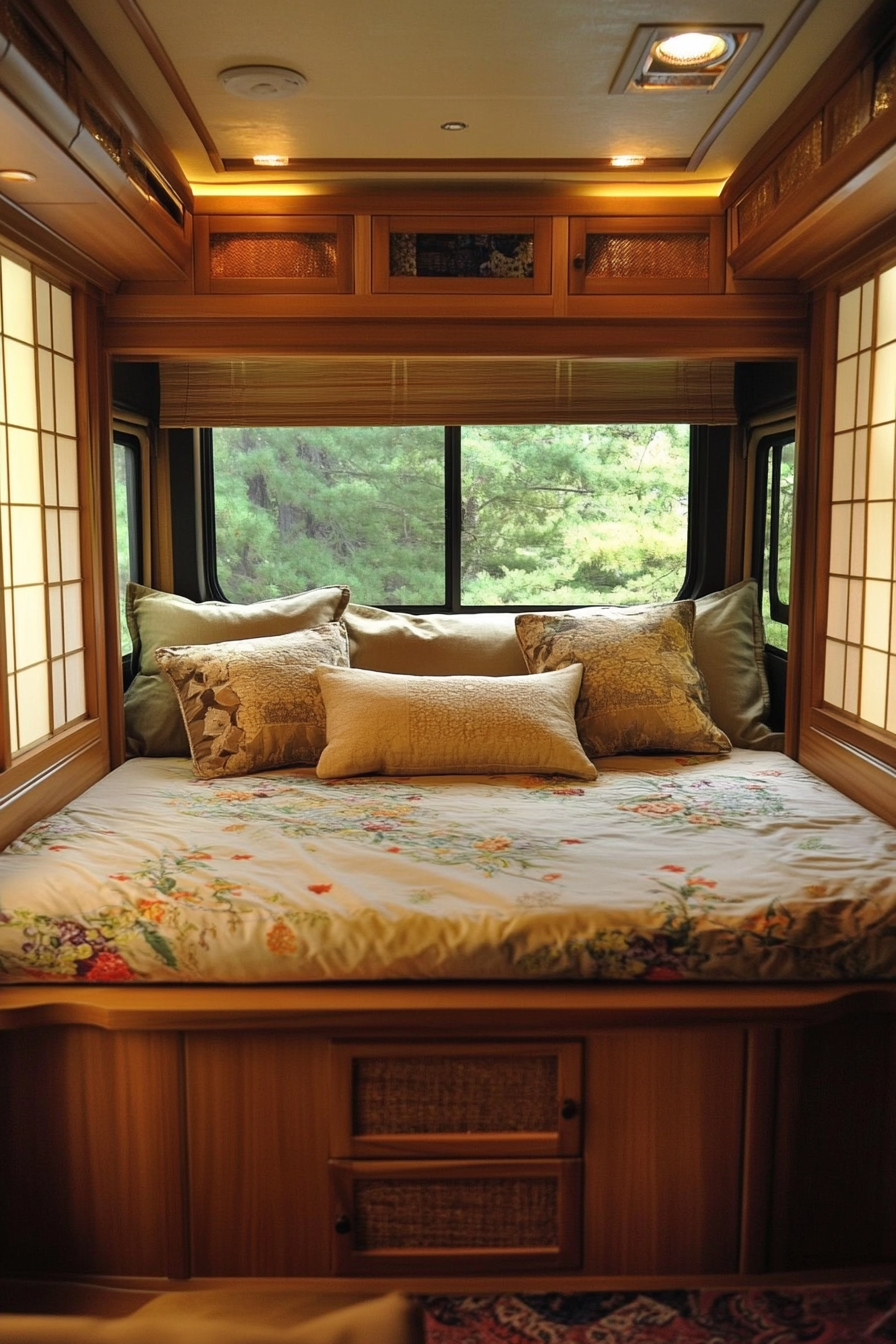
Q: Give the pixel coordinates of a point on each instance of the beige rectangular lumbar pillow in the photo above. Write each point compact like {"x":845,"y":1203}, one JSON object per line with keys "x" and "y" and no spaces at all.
{"x":158,"y":620}
{"x":382,"y":723}
{"x":254,"y":704}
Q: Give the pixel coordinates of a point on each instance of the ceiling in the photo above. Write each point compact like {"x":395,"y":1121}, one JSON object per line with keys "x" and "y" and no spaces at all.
{"x":530,"y":77}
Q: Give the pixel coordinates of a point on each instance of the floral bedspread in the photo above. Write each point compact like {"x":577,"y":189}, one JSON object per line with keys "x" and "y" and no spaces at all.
{"x":740,"y":868}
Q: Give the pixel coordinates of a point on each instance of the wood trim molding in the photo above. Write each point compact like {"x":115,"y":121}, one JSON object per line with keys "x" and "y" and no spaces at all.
{"x":494,"y":167}
{"x":856,"y":46}
{"x":48,"y":249}
{"x":781,"y":41}
{"x":102,"y":74}
{"x":153,"y":45}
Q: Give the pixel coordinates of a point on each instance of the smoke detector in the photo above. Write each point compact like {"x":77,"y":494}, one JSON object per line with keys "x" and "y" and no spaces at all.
{"x":262,"y":83}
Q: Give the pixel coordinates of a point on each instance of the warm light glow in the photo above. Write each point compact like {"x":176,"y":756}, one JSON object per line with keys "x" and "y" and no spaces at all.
{"x":271,"y":160}
{"x":690,"y":51}
{"x":17,"y":175}
{"x":627,"y":160}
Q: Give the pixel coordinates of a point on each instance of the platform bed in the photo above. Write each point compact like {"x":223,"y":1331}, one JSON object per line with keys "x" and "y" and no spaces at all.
{"x":404,"y":1129}
{"x":534,"y":1024}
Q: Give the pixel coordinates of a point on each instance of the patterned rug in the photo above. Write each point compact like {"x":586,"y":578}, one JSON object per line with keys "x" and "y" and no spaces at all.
{"x":842,"y":1314}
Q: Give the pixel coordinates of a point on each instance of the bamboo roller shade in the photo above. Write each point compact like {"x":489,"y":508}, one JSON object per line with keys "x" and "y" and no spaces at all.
{"x":457,"y":391}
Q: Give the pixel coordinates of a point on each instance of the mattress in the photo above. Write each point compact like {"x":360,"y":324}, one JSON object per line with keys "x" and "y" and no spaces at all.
{"x":740,"y":868}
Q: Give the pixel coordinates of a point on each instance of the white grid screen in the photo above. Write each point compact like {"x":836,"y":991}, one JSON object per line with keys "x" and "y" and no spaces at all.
{"x":40,"y":524}
{"x":860,"y":654}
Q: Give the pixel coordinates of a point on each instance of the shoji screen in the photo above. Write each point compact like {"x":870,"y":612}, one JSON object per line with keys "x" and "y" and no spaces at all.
{"x":860,"y":650}
{"x":40,"y":529}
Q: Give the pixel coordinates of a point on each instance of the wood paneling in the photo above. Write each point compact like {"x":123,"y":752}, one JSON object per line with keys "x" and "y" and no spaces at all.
{"x":257,"y":1123}
{"x":90,"y":1177}
{"x":663,"y":1151}
{"x":834,"y":1199}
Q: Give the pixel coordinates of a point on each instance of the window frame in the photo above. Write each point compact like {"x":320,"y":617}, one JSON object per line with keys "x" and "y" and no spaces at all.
{"x":704,"y":570}
{"x":766,"y":444}
{"x":132,"y":432}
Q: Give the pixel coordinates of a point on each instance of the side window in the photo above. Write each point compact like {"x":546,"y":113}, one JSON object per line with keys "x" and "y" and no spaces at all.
{"x":129,"y":448}
{"x":773,"y":531}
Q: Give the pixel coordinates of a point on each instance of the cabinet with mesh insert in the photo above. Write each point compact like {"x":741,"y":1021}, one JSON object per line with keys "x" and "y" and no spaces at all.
{"x":418,"y":1217}
{"x":441,"y":1099}
{"x":656,"y":255}
{"x":283,"y":254}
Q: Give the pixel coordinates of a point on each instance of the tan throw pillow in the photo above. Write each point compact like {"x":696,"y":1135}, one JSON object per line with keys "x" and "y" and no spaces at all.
{"x":729,"y":645}
{"x":641,"y":688}
{"x":160,"y":620}
{"x":254,"y":704}
{"x":479,"y":644}
{"x":393,"y":725}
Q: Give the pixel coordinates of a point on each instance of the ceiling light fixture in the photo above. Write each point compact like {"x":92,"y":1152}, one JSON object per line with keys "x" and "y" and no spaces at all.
{"x":271,"y":160}
{"x":17,"y":175}
{"x":693,"y":51}
{"x":262,"y":83}
{"x":627,"y":161}
{"x":453,"y":126}
{"x":682,"y":56}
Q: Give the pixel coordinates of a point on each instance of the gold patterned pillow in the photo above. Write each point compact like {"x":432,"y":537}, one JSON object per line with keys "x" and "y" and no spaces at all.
{"x":254,"y":704}
{"x":382,"y":722}
{"x":641,"y":688}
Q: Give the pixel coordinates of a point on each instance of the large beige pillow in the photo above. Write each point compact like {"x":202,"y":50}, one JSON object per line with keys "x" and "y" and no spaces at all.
{"x":157,"y":620}
{"x":729,"y":646}
{"x":254,"y":704}
{"x":480,"y":644}
{"x":382,"y":723}
{"x":641,"y":688}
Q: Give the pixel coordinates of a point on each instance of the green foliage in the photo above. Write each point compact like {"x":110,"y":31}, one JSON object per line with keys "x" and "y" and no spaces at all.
{"x":551,"y":514}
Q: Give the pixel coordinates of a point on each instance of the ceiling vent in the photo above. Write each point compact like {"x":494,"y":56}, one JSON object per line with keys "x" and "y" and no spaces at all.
{"x":681,"y":56}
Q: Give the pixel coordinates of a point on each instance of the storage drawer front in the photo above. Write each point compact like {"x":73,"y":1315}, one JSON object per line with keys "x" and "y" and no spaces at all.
{"x":455,"y":1215}
{"x":450,"y":1100}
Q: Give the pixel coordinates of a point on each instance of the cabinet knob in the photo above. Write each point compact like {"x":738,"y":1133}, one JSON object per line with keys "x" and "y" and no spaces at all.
{"x":579,"y":262}
{"x":343,"y":1224}
{"x":569,"y":1109}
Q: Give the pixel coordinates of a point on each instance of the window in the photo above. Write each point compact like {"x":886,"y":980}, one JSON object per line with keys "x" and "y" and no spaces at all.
{"x":860,"y":633}
{"x":127,"y":476}
{"x":773,"y":531}
{"x":482,"y":516}
{"x":42,"y":652}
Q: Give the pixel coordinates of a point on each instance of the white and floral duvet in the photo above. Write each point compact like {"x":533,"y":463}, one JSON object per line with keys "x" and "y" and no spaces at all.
{"x":740,"y":868}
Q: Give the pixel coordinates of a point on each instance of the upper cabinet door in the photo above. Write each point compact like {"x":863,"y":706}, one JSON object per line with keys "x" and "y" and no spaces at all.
{"x":647,"y":255}
{"x":461,"y":254}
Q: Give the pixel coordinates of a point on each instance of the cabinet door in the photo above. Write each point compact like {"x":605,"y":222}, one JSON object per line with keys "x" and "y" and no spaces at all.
{"x":439,"y":1099}
{"x":282,"y":254}
{"x":444,"y":1217}
{"x":642,"y":255}
{"x":461,"y":254}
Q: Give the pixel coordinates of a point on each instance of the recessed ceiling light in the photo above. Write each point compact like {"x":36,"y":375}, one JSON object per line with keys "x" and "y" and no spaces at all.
{"x":693,"y":51}
{"x":271,"y":160}
{"x":17,"y":175}
{"x":263,"y":83}
{"x":627,"y":161}
{"x":670,"y":56}
{"x":453,"y":126}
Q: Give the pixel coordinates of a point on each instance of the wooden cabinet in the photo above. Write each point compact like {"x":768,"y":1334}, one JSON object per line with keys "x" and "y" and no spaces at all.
{"x":282,"y":254}
{"x":646,"y":255}
{"x":463,"y":254}
{"x":515,"y":1104}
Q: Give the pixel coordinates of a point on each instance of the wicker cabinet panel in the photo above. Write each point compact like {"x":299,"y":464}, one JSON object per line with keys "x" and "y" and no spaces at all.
{"x":419,"y":1216}
{"x":437,"y":1099}
{"x":663,"y":255}
{"x":282,"y":254}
